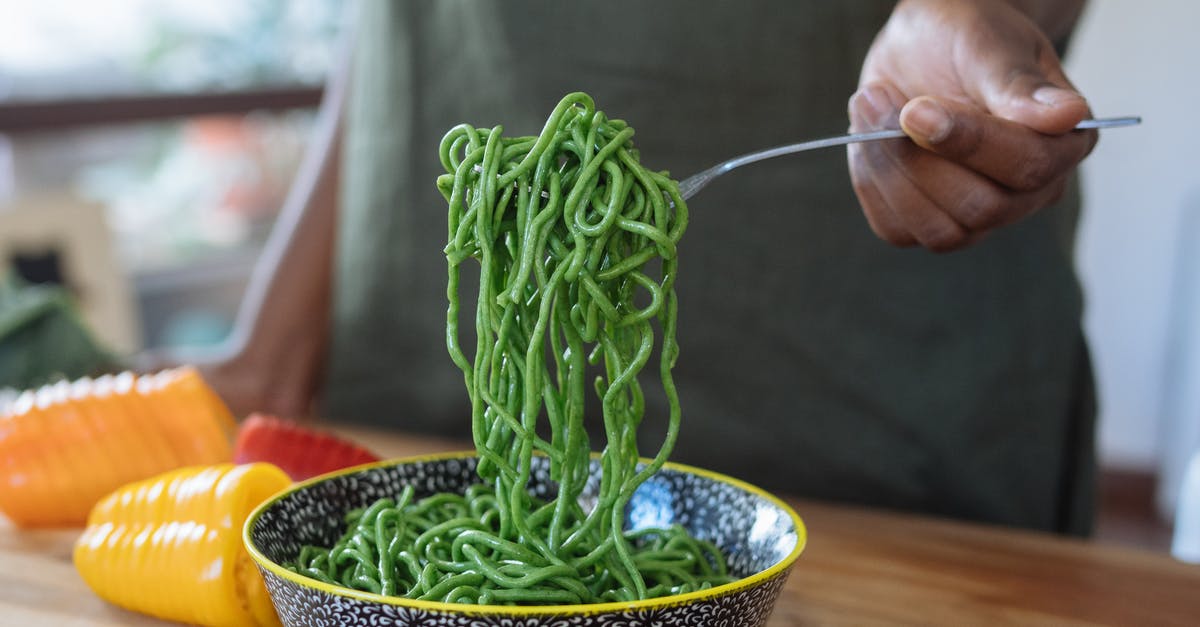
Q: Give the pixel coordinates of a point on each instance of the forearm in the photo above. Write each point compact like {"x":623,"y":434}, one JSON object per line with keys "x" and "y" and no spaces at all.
{"x":1056,"y":18}
{"x":273,"y":360}
{"x":287,"y":302}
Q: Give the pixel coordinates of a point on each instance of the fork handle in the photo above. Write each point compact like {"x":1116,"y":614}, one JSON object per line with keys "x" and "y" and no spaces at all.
{"x":854,"y":138}
{"x":689,"y":186}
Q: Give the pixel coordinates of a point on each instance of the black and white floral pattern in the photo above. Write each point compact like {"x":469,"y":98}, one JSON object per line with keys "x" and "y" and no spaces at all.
{"x":754,"y":532}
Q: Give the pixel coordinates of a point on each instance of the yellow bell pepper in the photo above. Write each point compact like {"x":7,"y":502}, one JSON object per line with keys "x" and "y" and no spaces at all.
{"x":171,"y":546}
{"x":64,"y":446}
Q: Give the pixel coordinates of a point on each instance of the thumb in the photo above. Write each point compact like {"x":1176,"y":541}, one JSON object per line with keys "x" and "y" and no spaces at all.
{"x":1037,"y":95}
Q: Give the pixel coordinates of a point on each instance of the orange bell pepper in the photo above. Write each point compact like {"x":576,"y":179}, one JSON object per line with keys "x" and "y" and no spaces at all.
{"x":64,"y":446}
{"x":171,"y":546}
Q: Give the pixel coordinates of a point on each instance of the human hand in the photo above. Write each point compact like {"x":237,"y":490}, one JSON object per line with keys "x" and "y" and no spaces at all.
{"x":981,"y":93}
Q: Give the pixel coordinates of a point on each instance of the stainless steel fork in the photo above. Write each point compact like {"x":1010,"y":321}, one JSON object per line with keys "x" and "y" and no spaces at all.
{"x":693,"y":184}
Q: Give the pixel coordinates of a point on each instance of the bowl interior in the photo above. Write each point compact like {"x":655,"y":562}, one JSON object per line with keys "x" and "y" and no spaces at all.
{"x":754,"y":530}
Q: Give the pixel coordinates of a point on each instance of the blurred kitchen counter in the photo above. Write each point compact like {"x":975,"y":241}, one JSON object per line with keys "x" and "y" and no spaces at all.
{"x":861,"y":567}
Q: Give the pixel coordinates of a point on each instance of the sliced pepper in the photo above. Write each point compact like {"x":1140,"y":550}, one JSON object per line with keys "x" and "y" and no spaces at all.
{"x":300,"y":451}
{"x":64,"y":446}
{"x":170,"y":546}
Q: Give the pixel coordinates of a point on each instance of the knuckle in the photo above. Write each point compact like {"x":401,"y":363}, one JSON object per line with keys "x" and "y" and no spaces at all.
{"x":1036,"y":171}
{"x":965,"y":141}
{"x":880,"y":224}
{"x":941,"y":235}
{"x":982,"y":207}
{"x":887,"y":232}
{"x":890,"y":236}
{"x":865,"y":200}
{"x":883,"y":225}
{"x":1058,"y":189}
{"x":949,"y":244}
{"x":897,"y":238}
{"x":1093,"y":137}
{"x":859,"y":170}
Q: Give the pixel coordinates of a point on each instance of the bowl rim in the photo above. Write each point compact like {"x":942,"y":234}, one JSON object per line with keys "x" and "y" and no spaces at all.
{"x":762,"y":576}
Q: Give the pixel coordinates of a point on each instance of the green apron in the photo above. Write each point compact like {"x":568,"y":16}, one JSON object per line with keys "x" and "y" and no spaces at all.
{"x":815,"y":359}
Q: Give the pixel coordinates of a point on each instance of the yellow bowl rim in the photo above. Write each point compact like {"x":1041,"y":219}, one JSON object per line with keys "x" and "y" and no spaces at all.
{"x":465,"y":609}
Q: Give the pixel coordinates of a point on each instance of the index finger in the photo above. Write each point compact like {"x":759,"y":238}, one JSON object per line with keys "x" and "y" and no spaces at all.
{"x":1009,"y":153}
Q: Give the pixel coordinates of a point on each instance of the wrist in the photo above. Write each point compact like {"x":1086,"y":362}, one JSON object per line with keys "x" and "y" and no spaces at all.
{"x":1055,"y":19}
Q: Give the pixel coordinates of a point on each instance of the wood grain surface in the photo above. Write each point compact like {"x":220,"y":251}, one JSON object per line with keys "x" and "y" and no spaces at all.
{"x":861,"y":567}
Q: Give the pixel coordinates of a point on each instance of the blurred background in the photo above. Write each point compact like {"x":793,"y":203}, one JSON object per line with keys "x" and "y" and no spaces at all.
{"x":183,"y":122}
{"x":146,"y":146}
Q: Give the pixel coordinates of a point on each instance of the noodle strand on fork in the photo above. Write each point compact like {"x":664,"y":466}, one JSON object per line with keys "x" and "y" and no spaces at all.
{"x":568,"y":229}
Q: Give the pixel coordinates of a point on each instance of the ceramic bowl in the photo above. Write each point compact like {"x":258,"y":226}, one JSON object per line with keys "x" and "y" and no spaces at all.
{"x":760,"y":535}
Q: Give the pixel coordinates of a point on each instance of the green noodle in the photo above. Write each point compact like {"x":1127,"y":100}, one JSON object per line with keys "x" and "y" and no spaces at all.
{"x":565,"y":227}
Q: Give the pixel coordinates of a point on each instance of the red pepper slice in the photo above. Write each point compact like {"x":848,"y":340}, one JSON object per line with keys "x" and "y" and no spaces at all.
{"x":300,"y":451}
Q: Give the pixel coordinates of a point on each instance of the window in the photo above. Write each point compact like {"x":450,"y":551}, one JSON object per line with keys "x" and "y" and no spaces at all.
{"x":90,"y":102}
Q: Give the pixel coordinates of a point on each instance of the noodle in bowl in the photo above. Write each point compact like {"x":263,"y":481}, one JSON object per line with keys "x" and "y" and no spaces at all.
{"x":760,"y":536}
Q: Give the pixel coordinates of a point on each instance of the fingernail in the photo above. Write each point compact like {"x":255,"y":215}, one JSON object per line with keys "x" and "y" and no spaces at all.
{"x":929,"y":120}
{"x":877,"y":107}
{"x":1054,"y":96}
